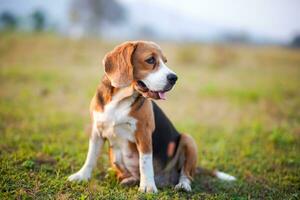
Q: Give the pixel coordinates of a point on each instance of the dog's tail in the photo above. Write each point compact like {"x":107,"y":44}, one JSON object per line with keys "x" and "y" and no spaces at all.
{"x":215,"y":173}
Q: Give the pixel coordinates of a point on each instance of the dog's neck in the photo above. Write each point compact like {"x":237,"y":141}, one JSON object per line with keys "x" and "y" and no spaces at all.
{"x":106,"y":93}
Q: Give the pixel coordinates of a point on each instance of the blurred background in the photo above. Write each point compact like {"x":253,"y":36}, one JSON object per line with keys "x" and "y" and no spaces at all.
{"x":238,"y":95}
{"x":255,"y":22}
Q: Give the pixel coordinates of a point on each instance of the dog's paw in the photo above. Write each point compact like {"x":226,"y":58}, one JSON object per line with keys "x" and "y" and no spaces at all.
{"x":130,"y":181}
{"x":79,"y":176}
{"x":148,"y":188}
{"x":184,"y":185}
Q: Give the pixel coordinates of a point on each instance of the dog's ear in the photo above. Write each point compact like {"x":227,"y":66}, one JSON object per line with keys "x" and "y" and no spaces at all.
{"x":118,"y":65}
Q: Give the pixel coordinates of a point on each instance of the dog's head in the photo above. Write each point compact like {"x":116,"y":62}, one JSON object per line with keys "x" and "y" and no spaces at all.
{"x":142,"y":64}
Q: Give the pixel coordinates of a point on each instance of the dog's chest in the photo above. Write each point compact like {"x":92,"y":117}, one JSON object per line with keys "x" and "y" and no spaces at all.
{"x":118,"y":127}
{"x":115,"y":124}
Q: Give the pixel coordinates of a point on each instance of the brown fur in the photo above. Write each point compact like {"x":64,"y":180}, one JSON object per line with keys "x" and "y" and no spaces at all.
{"x":171,"y":149}
{"x":186,"y":156}
{"x":118,"y":171}
{"x":145,"y":126}
{"x":190,"y":155}
{"x":118,"y":66}
{"x":103,"y":95}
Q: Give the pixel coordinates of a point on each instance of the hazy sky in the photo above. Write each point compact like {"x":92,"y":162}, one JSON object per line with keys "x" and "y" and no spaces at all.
{"x":278,"y":19}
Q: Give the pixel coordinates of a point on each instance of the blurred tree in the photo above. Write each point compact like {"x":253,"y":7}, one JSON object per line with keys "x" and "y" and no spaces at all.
{"x":39,"y":20}
{"x":296,"y":41}
{"x":8,"y":21}
{"x":91,"y":14}
{"x":237,"y":37}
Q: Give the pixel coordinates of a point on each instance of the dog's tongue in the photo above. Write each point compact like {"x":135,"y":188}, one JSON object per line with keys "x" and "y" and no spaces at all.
{"x":162,"y":95}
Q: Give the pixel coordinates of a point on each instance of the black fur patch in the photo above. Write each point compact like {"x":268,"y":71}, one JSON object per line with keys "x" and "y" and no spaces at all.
{"x":163,"y":134}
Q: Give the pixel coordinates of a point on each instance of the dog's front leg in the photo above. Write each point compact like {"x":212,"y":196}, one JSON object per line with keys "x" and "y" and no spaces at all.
{"x":144,"y":144}
{"x":95,"y":144}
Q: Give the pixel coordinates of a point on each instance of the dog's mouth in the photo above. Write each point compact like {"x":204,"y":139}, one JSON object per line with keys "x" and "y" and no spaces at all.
{"x":146,"y":92}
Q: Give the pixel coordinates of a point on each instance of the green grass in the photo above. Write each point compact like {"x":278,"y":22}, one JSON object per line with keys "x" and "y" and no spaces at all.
{"x":241,"y":104}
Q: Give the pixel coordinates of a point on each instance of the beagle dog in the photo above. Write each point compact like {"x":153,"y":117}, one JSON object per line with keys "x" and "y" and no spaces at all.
{"x":144,"y":146}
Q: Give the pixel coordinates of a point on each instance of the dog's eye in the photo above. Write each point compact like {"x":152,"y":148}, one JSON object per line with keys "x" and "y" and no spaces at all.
{"x":150,"y":60}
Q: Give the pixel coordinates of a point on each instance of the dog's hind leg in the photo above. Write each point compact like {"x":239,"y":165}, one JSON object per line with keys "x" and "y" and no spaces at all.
{"x":189,"y":159}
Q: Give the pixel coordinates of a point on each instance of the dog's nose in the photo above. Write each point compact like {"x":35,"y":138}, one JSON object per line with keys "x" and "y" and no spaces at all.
{"x":172,"y":78}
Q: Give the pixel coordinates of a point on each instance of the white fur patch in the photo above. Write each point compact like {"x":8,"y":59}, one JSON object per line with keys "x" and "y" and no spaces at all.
{"x":184,"y":182}
{"x":147,"y":183}
{"x":156,"y":81}
{"x":114,"y":121}
{"x":184,"y":185}
{"x":95,"y":144}
{"x":224,"y":176}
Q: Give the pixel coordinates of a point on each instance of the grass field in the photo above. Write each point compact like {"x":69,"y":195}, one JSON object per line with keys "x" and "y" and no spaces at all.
{"x":241,"y":104}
